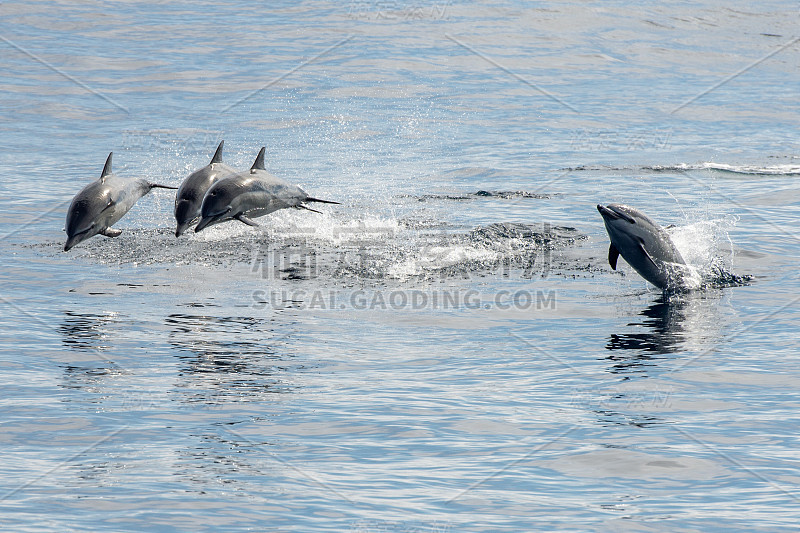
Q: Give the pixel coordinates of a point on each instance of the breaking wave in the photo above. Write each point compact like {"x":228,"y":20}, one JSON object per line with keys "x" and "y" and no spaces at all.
{"x":769,"y":170}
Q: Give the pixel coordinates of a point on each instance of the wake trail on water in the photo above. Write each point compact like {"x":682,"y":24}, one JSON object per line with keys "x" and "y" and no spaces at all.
{"x":409,"y":241}
{"x":771,"y":170}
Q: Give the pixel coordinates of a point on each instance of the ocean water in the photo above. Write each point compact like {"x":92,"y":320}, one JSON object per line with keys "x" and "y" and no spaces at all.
{"x":448,"y":349}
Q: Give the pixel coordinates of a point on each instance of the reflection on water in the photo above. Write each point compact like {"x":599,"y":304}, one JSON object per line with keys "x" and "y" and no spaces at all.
{"x":671,"y":325}
{"x":87,"y":331}
{"x":87,"y":378}
{"x":628,"y":419}
{"x":227,"y":359}
{"x":660,"y":333}
{"x":219,"y":337}
{"x":93,"y":371}
{"x":218,"y":461}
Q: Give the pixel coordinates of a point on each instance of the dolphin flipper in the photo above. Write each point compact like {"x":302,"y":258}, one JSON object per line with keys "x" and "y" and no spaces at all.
{"x":647,"y":255}
{"x":613,"y":255}
{"x":111,"y":232}
{"x":109,"y":205}
{"x":242,"y":218}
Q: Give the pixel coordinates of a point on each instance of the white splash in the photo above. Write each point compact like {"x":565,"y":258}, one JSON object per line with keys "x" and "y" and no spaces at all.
{"x":429,"y":258}
{"x":700,"y":244}
{"x":770,"y":170}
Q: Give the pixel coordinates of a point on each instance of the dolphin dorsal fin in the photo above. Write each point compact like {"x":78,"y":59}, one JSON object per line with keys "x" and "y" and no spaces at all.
{"x":259,"y":162}
{"x":106,"y":168}
{"x":218,"y":154}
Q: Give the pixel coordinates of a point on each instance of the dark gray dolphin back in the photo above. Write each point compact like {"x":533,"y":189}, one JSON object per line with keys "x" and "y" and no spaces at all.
{"x":102,"y":203}
{"x":90,"y":201}
{"x":250,"y":194}
{"x":645,"y":246}
{"x":189,"y":199}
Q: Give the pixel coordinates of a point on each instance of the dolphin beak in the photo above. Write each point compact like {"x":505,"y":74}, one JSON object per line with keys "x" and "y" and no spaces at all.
{"x":206,"y":221}
{"x":609,"y":213}
{"x":72,"y":241}
{"x":603,"y":210}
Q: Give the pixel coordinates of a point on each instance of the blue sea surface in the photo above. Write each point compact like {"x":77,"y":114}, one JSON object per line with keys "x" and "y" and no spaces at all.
{"x":447,"y":349}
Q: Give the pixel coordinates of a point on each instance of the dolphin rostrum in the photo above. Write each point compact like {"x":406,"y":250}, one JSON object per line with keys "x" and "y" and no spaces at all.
{"x":251,"y":194}
{"x":645,"y":246}
{"x":101,"y":204}
{"x":191,"y":192}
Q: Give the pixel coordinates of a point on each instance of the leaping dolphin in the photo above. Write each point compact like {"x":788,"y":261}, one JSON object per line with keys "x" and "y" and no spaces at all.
{"x":101,"y":204}
{"x":645,"y":246}
{"x":251,"y":194}
{"x":191,"y":192}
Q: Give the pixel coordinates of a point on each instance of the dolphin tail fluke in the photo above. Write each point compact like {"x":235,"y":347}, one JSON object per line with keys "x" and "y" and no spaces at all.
{"x":106,"y":168}
{"x":309,"y":199}
{"x":218,"y":154}
{"x":258,"y":164}
{"x":613,"y":255}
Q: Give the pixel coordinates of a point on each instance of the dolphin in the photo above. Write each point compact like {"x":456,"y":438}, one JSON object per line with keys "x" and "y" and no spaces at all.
{"x":645,"y":246}
{"x":101,"y":204}
{"x":251,"y":194}
{"x":190,"y":195}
